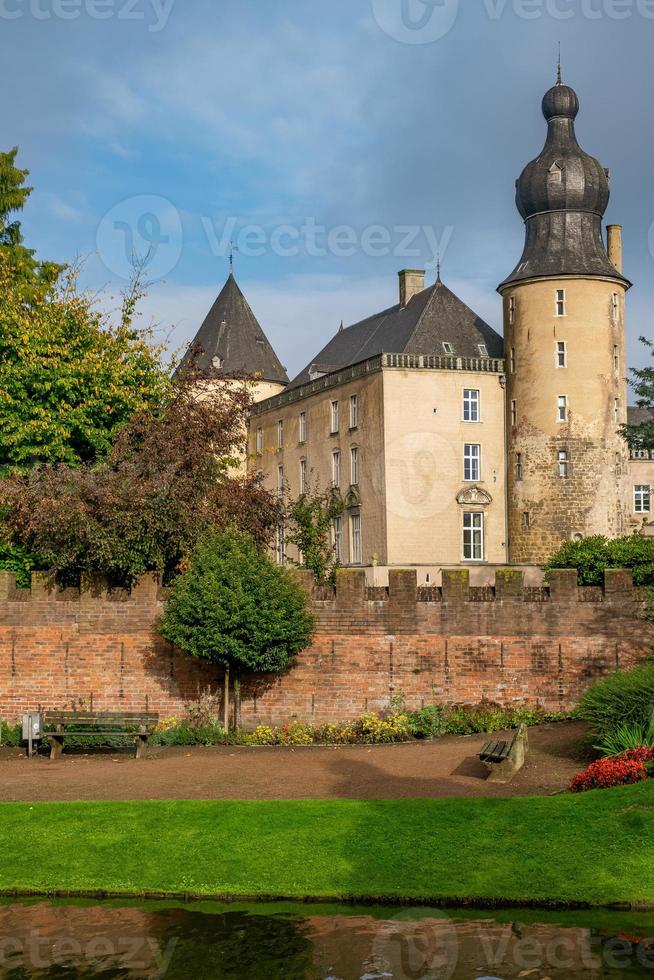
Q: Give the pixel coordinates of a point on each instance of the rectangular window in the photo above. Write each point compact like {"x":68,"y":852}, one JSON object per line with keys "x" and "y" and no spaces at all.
{"x":473,"y":537}
{"x":483,"y":350}
{"x":514,"y":412}
{"x":560,"y":302}
{"x":337,"y":532}
{"x":280,"y":481}
{"x":470,"y":405}
{"x":562,"y":408}
{"x":564,"y":464}
{"x":356,"y":538}
{"x":259,"y":440}
{"x":526,"y":520}
{"x":302,"y":427}
{"x":334,"y":418}
{"x":354,"y":466}
{"x":280,"y":434}
{"x":615,"y":305}
{"x":643,"y":499}
{"x":447,"y":347}
{"x":512,"y":360}
{"x":471,"y":462}
{"x":616,"y":358}
{"x":519,"y":469}
{"x":616,"y":410}
{"x":354,"y":411}
{"x":303,"y":476}
{"x":280,"y":544}
{"x":561,"y":354}
{"x":336,"y":469}
{"x":511,"y":310}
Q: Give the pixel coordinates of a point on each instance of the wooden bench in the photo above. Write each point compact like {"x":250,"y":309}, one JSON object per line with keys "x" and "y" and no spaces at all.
{"x":504,"y":758}
{"x":136,"y":725}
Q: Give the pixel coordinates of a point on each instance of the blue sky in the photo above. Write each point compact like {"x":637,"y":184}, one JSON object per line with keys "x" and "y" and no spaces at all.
{"x":188,"y":122}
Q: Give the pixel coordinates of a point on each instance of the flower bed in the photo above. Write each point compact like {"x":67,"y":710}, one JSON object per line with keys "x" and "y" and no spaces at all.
{"x":631,"y":767}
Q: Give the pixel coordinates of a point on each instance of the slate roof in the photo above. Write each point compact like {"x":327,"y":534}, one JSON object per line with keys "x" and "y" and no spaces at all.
{"x":636,"y":415}
{"x":431,"y":318}
{"x":231,"y":342}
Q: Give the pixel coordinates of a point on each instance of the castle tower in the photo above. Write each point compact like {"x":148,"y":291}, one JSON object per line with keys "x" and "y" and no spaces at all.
{"x":566,"y":392}
{"x":231,"y":344}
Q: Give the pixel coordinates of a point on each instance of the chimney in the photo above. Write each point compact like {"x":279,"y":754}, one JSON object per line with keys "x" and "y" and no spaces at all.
{"x":614,"y":244}
{"x":412,"y":281}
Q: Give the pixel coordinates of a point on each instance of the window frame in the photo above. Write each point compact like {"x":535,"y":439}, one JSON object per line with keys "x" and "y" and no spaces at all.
{"x":259,"y":441}
{"x":356,"y":539}
{"x":519,"y":467}
{"x":355,"y":465}
{"x":334,"y":418}
{"x":642,"y":498}
{"x":563,"y":464}
{"x":560,"y":302}
{"x":472,"y":404}
{"x":337,"y":538}
{"x":561,"y":354}
{"x":448,"y":348}
{"x":472,"y":462}
{"x":562,"y":407}
{"x":280,"y":434}
{"x":336,"y":469}
{"x":304,"y":475}
{"x":302,"y":427}
{"x":483,"y":350}
{"x":514,"y":412}
{"x":476,"y":546}
{"x":354,"y":411}
{"x":280,"y":480}
{"x":512,"y":310}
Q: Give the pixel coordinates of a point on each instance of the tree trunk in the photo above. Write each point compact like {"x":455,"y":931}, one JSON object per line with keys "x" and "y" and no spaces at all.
{"x":226,"y":699}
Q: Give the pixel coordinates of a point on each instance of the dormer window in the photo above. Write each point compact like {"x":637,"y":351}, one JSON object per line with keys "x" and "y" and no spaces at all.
{"x":447,"y":347}
{"x":555,"y":173}
{"x":217,"y":362}
{"x":483,"y":350}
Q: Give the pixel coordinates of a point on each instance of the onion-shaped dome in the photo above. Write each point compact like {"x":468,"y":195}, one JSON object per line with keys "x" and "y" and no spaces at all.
{"x":562,"y":196}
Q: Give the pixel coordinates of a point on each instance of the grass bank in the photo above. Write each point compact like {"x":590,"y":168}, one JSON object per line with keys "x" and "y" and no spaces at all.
{"x":593,"y":849}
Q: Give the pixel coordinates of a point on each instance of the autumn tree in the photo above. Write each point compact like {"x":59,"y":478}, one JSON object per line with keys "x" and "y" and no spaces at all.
{"x":171,"y":477}
{"x":309,"y":523}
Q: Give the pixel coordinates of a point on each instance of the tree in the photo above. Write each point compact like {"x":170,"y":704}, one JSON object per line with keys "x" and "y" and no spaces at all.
{"x":31,"y":275}
{"x":168,"y":479}
{"x":69,"y":379}
{"x":234,"y":607}
{"x":310,"y":520}
{"x":641,"y":434}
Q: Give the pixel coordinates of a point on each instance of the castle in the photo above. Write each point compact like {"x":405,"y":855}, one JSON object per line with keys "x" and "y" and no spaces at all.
{"x":450,"y":445}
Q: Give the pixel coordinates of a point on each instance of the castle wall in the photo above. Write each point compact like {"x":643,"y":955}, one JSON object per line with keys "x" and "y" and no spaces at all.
{"x":509,"y":644}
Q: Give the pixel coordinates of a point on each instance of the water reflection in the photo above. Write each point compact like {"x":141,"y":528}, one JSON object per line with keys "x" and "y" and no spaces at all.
{"x":40,"y":940}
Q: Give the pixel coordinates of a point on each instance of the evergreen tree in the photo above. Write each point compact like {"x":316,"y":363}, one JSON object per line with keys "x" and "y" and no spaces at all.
{"x":641,"y":434}
{"x":13,"y":194}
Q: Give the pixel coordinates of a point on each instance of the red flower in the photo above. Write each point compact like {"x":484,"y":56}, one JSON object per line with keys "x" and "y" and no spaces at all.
{"x":615,"y":771}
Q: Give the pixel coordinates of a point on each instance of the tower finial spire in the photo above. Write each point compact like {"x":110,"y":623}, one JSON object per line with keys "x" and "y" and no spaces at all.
{"x":559,"y":80}
{"x":438,"y":267}
{"x":232,"y":248}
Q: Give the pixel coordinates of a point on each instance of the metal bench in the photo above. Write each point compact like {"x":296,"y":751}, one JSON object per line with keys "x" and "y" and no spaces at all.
{"x":504,"y":758}
{"x":136,"y":725}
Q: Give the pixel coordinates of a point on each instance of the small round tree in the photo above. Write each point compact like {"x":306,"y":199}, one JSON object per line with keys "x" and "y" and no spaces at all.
{"x":234,"y":607}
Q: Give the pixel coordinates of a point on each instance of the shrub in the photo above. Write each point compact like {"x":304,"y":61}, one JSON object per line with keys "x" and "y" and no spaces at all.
{"x":592,"y":556}
{"x":372,"y":729}
{"x":610,"y":772}
{"x":437,"y":720}
{"x":11,"y":735}
{"x":626,"y":697}
{"x":627,"y":737}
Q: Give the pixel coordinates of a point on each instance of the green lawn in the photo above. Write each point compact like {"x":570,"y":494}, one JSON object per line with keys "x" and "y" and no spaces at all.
{"x":595,"y":848}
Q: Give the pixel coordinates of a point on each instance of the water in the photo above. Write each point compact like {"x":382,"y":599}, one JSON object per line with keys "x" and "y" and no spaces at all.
{"x":287,"y":942}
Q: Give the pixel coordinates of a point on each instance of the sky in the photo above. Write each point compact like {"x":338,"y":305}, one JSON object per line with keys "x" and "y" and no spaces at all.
{"x":334,"y":142}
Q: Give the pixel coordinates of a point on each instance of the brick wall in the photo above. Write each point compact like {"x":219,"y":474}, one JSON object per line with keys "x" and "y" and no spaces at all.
{"x":508,"y":644}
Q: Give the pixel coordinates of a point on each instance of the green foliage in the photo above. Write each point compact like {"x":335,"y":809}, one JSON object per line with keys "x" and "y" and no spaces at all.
{"x":624,"y":698}
{"x":11,"y":735}
{"x":641,"y":435}
{"x":20,"y":561}
{"x":233,"y":606}
{"x":437,"y":720}
{"x":32,"y":276}
{"x":627,"y":737}
{"x":592,"y":556}
{"x":309,"y":528}
{"x":69,"y":378}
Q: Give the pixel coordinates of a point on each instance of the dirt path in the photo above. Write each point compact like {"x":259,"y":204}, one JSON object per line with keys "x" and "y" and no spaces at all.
{"x":448,"y":767}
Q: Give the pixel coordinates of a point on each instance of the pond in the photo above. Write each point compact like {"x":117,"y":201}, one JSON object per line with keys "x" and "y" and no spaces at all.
{"x":288,"y":942}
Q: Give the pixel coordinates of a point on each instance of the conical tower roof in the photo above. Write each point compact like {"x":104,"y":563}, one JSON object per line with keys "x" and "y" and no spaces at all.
{"x":231,"y":343}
